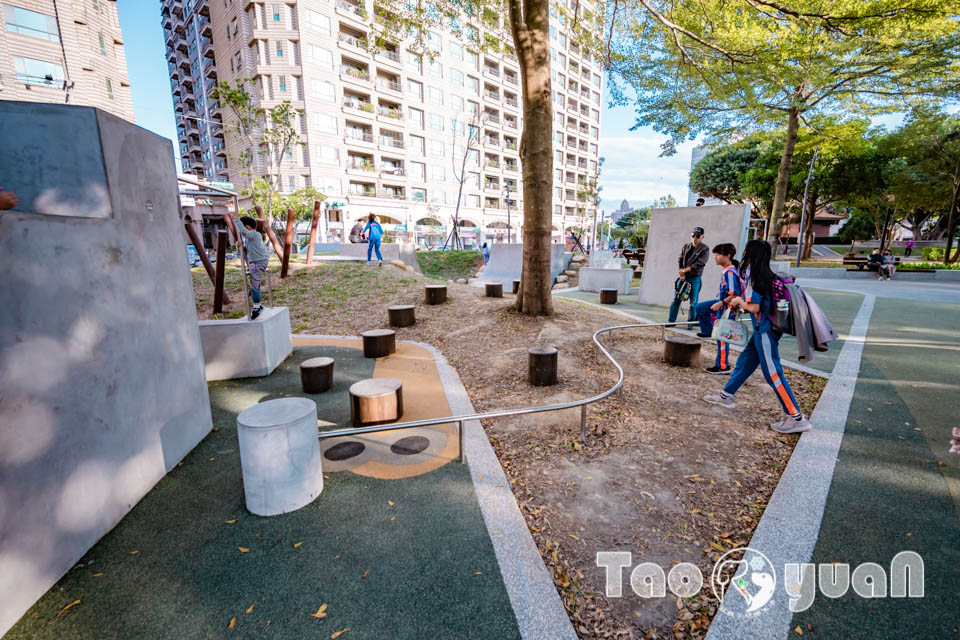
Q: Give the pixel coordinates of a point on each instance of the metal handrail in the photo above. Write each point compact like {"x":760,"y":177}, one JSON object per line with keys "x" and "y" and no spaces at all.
{"x":582,"y":403}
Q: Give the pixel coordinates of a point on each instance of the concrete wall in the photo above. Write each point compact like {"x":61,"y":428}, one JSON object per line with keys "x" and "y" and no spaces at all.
{"x":390,"y":251}
{"x":670,"y":230}
{"x":506,"y":263}
{"x":243,"y":348}
{"x":101,"y":373}
{"x":940,"y":275}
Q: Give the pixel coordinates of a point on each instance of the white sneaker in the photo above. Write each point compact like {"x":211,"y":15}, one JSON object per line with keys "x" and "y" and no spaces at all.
{"x":717,"y":399}
{"x":790,"y":425}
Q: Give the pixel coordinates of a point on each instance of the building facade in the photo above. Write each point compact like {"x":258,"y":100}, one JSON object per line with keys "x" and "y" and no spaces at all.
{"x":64,"y":51}
{"x":385,"y":130}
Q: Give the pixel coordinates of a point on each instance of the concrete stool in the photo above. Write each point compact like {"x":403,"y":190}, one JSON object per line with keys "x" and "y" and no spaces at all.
{"x":435,"y":293}
{"x":494,"y":289}
{"x":378,"y":343}
{"x":316,"y":375}
{"x":401,"y":315}
{"x":681,"y":351}
{"x":516,"y":287}
{"x":542,"y":366}
{"x":608,"y":296}
{"x":280,"y":455}
{"x":376,"y":401}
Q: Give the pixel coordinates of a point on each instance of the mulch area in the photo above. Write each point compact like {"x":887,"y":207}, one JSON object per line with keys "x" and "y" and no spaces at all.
{"x":662,"y":474}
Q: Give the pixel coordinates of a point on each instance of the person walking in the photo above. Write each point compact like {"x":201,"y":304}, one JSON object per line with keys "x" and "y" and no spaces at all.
{"x":762,"y":350}
{"x":257,"y":260}
{"x":693,"y":257}
{"x":908,"y":248}
{"x":374,"y":233}
{"x":486,"y":254}
{"x":709,"y":311}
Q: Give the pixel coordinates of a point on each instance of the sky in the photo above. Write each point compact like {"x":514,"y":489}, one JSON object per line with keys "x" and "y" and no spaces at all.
{"x":632,"y":169}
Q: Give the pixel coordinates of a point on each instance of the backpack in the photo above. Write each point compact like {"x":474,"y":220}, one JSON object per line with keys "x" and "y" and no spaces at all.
{"x":682,"y":290}
{"x":782,"y":316}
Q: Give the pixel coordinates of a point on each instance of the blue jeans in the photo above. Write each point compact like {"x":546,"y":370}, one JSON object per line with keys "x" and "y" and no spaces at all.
{"x":706,"y":316}
{"x":694,"y":296}
{"x":763,"y":351}
{"x":373,"y":245}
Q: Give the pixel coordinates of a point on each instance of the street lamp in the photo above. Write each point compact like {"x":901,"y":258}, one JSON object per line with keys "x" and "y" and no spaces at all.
{"x":509,"y":226}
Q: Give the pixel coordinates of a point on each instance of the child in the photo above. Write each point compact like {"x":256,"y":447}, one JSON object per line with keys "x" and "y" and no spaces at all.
{"x":374,"y":232}
{"x":709,"y":311}
{"x":486,"y":254}
{"x":257,"y":259}
{"x":762,"y":349}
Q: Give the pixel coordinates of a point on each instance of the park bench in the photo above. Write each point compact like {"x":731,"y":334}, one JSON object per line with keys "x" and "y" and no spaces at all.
{"x":634,"y":258}
{"x":858,"y":262}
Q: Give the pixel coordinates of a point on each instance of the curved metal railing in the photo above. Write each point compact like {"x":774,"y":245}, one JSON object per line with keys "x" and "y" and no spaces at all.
{"x":460,"y":419}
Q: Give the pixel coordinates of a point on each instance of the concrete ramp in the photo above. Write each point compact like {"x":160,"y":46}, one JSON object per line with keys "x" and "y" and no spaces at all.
{"x":390,"y":251}
{"x":506,"y":263}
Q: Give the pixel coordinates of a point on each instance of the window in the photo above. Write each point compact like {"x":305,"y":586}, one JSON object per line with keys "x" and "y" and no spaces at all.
{"x":456,"y":50}
{"x":473,"y":202}
{"x":438,"y":197}
{"x":418,"y":195}
{"x":103,"y":44}
{"x":292,"y":183}
{"x":436,"y":122}
{"x":415,"y":116}
{"x":279,"y":48}
{"x":435,"y":40}
{"x":326,"y":122}
{"x":31,"y":23}
{"x":109,"y":89}
{"x":474,"y":59}
{"x":39,"y":72}
{"x":558,"y":137}
{"x":417,"y":144}
{"x":327,"y":154}
{"x":238,"y":61}
{"x":320,"y":56}
{"x":593,"y":149}
{"x":458,"y":128}
{"x":318,"y":21}
{"x":436,"y":95}
{"x":456,"y":77}
{"x":474,"y":84}
{"x":418,"y":170}
{"x":413,"y":60}
{"x":473,"y":108}
{"x":457,"y":103}
{"x":276,"y":12}
{"x":415,"y":89}
{"x":234,"y":27}
{"x":436,"y":148}
{"x":437,"y":173}
{"x":324,"y":90}
{"x":435,"y":68}
{"x":473,"y":180}
{"x":283,"y":84}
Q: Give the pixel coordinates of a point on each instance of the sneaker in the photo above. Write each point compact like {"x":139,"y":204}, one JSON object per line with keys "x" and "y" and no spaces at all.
{"x":379,"y":263}
{"x":726,"y":403}
{"x":703,"y":335}
{"x":719,"y":371}
{"x":790,"y":425}
{"x":256,"y":312}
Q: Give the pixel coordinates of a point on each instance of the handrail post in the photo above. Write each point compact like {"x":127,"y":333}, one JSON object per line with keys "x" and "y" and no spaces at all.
{"x":583,"y":423}
{"x":460,"y":435}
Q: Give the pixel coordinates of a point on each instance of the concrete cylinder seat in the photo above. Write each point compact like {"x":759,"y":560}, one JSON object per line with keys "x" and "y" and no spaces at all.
{"x":280,"y":455}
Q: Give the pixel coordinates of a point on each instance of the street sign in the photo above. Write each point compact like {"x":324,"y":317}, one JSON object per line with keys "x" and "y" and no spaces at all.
{"x":222,"y":185}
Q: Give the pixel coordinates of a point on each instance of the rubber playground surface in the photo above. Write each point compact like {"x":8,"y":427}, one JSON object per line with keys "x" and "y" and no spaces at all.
{"x":394,"y":548}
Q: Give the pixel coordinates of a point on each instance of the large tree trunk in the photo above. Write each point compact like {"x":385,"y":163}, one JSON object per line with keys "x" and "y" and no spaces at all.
{"x":529,"y":21}
{"x":783,"y":178}
{"x":952,"y":226}
{"x":807,"y":231}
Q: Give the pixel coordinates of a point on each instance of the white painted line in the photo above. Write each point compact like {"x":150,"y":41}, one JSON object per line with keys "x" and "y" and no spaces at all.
{"x":790,"y":525}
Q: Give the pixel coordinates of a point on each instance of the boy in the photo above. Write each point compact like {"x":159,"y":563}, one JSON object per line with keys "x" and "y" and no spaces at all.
{"x":257,"y":259}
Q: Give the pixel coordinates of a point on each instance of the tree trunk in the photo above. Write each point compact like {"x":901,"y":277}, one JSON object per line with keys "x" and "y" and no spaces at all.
{"x":268,"y":228}
{"x":952,"y":226}
{"x":287,"y":243}
{"x":311,"y":243}
{"x":530,"y":20}
{"x":783,"y":178}
{"x":807,"y":231}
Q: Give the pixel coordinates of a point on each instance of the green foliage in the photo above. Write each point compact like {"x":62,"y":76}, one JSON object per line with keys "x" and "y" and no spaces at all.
{"x":665,"y":202}
{"x":933,"y":253}
{"x":449,"y":265}
{"x":719,"y":174}
{"x":859,"y":227}
{"x":907,"y":266}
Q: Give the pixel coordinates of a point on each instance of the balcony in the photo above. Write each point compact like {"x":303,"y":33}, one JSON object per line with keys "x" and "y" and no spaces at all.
{"x":511,"y":166}
{"x":354,"y":73}
{"x":510,"y":123}
{"x":392,"y":169}
{"x":492,"y":164}
{"x":354,"y":137}
{"x":392,"y":56}
{"x":392,"y":194}
{"x":176,"y":7}
{"x":172,"y":56}
{"x":389,"y":85}
{"x":364,"y":191}
{"x":393,"y":113}
{"x":359,"y":163}
{"x":214,"y":109}
{"x":510,"y":78}
{"x":491,"y":118}
{"x":358,"y":105}
{"x":167,"y":22}
{"x":206,"y":29}
{"x":353,"y":41}
{"x":392,"y":142}
{"x":491,"y":72}
{"x":183,"y":62}
{"x":210,"y":70}
{"x":511,"y":101}
{"x":208,"y":50}
{"x":491,"y":95}
{"x":351,"y":9}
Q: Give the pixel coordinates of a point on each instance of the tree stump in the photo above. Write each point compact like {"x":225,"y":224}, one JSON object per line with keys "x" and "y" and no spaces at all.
{"x":376,"y":401}
{"x":516,"y":286}
{"x":542,"y":366}
{"x":401,"y":315}
{"x":608,"y":296}
{"x":681,"y":351}
{"x":494,"y":289}
{"x":378,"y":343}
{"x":435,"y":293}
{"x":316,"y":375}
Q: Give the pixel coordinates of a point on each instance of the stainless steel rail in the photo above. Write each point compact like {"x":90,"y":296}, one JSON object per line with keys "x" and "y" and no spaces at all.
{"x":339,"y":433}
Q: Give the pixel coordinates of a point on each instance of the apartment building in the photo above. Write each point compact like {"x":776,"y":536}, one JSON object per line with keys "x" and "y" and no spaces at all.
{"x":386,"y":131}
{"x":64,"y":51}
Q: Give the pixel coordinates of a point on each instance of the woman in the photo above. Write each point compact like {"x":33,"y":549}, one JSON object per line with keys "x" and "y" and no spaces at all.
{"x":762,"y":349}
{"x":374,"y":232}
{"x":887,"y":266}
{"x":709,"y":311}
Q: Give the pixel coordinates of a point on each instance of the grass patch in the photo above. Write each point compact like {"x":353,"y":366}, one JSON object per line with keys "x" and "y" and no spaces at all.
{"x":449,"y":265}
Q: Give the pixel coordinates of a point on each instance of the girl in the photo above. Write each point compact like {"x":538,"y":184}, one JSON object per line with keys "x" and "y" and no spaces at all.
{"x":374,"y":232}
{"x":486,"y":254}
{"x":709,"y":311}
{"x":762,"y":350}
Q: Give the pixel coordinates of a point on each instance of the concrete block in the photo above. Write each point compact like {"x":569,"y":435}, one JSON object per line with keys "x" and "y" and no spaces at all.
{"x":389,"y":250}
{"x":246,"y":348}
{"x":506,"y":263}
{"x":591,"y":279}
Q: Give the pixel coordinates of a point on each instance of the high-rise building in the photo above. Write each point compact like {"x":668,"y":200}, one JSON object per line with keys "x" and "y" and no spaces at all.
{"x":385,"y":129}
{"x":65,"y":51}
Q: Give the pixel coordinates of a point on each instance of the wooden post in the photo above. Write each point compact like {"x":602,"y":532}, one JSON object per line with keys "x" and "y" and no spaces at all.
{"x":316,"y":375}
{"x":681,"y":351}
{"x":435,"y":293}
{"x":401,"y":315}
{"x":608,"y":296}
{"x":494,"y":289}
{"x":379,"y":343}
{"x":313,"y":231}
{"x":268,"y":229}
{"x":516,"y":286}
{"x":542,"y":366}
{"x":287,"y":241}
{"x":198,"y":245}
{"x":221,"y":269}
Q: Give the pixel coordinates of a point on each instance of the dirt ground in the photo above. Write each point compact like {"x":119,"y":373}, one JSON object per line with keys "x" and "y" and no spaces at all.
{"x":662,"y":474}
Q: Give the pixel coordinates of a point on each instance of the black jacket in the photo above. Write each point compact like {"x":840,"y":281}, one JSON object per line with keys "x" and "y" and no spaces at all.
{"x":694,"y":257}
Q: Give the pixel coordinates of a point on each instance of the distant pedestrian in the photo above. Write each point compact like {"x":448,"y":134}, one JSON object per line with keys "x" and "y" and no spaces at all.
{"x":908,"y":248}
{"x":356,"y":233}
{"x":700,"y":202}
{"x":374,"y":233}
{"x":762,"y":350}
{"x":486,"y":254}
{"x":709,"y":311}
{"x":257,"y":260}
{"x":693,"y":258}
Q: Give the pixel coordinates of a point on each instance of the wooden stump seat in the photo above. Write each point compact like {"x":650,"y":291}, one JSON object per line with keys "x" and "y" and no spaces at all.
{"x":494,"y":289}
{"x":608,"y":296}
{"x":376,"y":401}
{"x":681,"y":351}
{"x":316,"y":375}
{"x":542,"y":366}
{"x":435,"y":293}
{"x":401,"y":315}
{"x":378,"y":343}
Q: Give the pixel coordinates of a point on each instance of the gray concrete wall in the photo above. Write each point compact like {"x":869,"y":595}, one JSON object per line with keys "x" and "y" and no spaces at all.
{"x":390,"y":251}
{"x":101,"y":373}
{"x":670,"y":230}
{"x":506,"y":263}
{"x":243,"y":348}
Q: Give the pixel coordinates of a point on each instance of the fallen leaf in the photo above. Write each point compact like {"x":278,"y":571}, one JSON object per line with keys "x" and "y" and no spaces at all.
{"x":495,"y":533}
{"x":64,"y":610}
{"x":799,"y":630}
{"x":249,"y":610}
{"x":230,"y":521}
{"x":212,"y":459}
{"x":321,"y":612}
{"x":717,"y":547}
{"x":337,"y":634}
{"x":233,"y":623}
{"x":478,"y":573}
{"x":79,"y":566}
{"x":365,"y":573}
{"x":134,"y":552}
{"x":577,"y":538}
{"x":97,"y":575}
{"x":390,"y":503}
{"x":392,"y":518}
{"x":296,"y":545}
{"x":638,"y":614}
{"x":243,"y":549}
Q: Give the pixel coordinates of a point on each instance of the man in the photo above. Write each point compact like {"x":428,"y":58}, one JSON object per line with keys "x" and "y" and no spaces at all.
{"x":693,"y":257}
{"x":700,"y":202}
{"x":356,"y":234}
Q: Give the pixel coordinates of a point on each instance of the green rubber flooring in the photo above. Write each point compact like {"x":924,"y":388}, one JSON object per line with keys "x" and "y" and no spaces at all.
{"x":421,"y":567}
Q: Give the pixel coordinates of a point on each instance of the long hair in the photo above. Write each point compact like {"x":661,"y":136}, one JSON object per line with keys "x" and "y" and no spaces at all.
{"x":727,"y":249}
{"x":372,"y":217}
{"x":756,"y":260}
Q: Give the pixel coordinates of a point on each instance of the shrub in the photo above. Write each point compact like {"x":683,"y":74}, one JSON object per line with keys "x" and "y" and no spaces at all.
{"x":933,"y":253}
